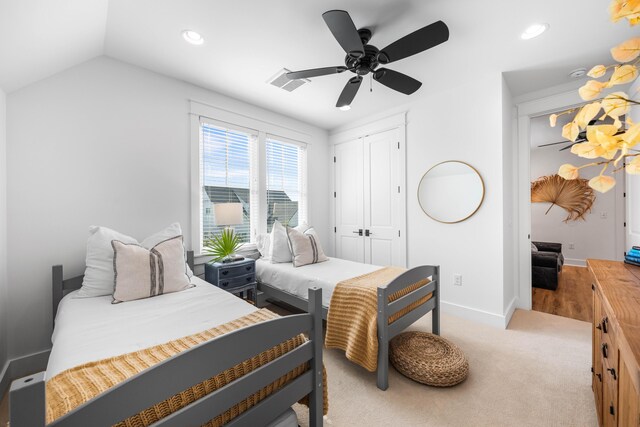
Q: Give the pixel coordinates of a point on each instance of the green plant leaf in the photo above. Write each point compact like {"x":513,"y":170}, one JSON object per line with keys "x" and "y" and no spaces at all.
{"x":222,"y":245}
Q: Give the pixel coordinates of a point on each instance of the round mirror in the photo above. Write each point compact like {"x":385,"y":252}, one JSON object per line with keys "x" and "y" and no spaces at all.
{"x":451,"y":192}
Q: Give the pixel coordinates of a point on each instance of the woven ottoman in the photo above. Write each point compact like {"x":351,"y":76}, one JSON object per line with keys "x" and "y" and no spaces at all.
{"x":428,"y":359}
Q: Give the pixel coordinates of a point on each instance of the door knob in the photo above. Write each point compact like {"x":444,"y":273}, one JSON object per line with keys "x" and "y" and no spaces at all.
{"x":359,"y":232}
{"x":367,"y":233}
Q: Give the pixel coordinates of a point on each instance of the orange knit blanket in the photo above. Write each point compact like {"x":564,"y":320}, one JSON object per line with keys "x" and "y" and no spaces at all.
{"x":73,"y":387}
{"x":352,"y":317}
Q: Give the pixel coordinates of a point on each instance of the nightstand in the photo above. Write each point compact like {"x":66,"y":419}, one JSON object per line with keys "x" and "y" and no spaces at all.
{"x":237,"y":277}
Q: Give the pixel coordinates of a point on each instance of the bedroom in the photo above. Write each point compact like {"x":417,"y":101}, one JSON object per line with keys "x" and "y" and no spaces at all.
{"x":100,"y":112}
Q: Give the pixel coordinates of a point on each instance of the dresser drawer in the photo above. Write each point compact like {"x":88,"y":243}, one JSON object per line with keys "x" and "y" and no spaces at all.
{"x":236,"y":270}
{"x":236,"y":282}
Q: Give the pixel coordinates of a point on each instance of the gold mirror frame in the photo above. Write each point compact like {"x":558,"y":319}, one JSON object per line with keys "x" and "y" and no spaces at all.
{"x":468,"y":216}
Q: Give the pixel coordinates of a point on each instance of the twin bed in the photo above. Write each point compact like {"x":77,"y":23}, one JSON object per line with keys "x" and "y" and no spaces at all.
{"x":398,"y":304}
{"x":94,"y":329}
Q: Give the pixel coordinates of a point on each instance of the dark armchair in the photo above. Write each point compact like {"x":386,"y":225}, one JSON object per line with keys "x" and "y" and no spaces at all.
{"x":546,"y":265}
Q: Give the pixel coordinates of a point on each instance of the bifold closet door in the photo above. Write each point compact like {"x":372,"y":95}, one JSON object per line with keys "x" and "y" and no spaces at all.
{"x":382,"y":199}
{"x":349,"y":200}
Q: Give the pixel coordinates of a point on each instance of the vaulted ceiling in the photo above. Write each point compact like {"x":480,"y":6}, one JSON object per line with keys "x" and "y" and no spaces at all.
{"x":247,"y":41}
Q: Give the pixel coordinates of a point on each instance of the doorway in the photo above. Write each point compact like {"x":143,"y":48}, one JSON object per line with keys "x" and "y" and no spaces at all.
{"x":563,"y":244}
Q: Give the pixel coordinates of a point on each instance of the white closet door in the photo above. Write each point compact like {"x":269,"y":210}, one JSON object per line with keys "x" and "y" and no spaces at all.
{"x":633,"y":210}
{"x":382,"y":200}
{"x":349,"y":200}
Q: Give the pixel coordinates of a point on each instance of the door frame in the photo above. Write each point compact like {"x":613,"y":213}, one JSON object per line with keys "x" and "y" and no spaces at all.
{"x":397,"y":121}
{"x":525,"y":112}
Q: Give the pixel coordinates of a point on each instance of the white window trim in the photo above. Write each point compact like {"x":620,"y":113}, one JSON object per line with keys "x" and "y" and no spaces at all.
{"x":201,"y":112}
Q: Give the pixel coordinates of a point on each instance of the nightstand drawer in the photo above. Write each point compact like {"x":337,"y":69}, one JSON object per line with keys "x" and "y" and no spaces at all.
{"x":237,"y":281}
{"x":235,"y":271}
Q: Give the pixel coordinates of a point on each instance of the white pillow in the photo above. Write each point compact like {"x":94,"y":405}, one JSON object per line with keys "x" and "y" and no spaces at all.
{"x":263,"y":243}
{"x":305,"y":247}
{"x":98,"y":275}
{"x":280,"y":251}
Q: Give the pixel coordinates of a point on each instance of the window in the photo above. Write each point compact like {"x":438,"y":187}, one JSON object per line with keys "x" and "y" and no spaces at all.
{"x":285,"y":181}
{"x":265,"y":173}
{"x":225,"y":167}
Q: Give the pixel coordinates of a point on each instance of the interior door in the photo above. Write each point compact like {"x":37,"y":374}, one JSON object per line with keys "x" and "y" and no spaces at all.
{"x":349,"y":200}
{"x":382,"y":200}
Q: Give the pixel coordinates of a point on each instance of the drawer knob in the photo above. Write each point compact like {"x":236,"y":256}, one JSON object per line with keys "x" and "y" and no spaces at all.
{"x":248,"y":268}
{"x":224,"y":272}
{"x":612,"y":371}
{"x":599,"y":377}
{"x":249,"y":279}
{"x":224,"y":284}
{"x":605,"y":350}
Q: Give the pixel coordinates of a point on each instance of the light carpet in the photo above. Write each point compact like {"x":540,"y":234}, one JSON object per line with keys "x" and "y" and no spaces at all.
{"x":535,"y":373}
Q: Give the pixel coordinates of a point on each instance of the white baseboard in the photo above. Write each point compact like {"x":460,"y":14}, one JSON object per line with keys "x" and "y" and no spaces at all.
{"x":492,"y":319}
{"x":575,"y":262}
{"x":21,"y":367}
{"x":510,"y":310}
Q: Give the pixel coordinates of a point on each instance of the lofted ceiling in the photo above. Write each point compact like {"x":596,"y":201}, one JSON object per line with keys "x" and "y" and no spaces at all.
{"x":248,"y":41}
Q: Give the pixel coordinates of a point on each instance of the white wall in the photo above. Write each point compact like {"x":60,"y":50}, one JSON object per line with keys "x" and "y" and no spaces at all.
{"x":632,"y":232}
{"x":3,"y":234}
{"x":459,"y":123}
{"x":509,"y":208}
{"x":105,"y":143}
{"x":593,"y":238}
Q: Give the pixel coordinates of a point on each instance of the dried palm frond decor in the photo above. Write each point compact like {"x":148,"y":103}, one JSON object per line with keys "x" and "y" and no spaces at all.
{"x":573,"y":195}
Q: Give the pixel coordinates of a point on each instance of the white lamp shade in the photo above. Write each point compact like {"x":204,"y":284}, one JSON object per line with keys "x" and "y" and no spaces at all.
{"x":228,"y":213}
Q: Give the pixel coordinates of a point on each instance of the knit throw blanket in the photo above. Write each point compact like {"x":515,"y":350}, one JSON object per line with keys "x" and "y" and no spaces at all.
{"x":73,"y":387}
{"x":352,"y":317}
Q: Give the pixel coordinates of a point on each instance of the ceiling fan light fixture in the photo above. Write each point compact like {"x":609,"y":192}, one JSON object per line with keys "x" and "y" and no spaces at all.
{"x":534,"y":31}
{"x":345,"y":108}
{"x":193,"y":37}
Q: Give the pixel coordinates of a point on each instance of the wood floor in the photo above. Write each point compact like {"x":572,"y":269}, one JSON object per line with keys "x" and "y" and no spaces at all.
{"x":573,"y":297}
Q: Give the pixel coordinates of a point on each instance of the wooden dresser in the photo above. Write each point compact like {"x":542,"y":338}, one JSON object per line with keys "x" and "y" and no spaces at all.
{"x":616,"y":342}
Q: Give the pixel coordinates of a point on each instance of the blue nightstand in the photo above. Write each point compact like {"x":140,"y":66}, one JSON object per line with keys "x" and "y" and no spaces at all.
{"x":237,"y":277}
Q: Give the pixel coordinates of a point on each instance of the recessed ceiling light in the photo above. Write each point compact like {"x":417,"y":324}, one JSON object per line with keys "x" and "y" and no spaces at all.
{"x":345,"y":107}
{"x":193,"y":37}
{"x":577,"y":73}
{"x":534,"y":31}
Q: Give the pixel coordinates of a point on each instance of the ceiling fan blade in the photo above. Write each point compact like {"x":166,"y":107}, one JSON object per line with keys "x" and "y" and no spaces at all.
{"x":349,"y":91}
{"x":345,"y":32}
{"x":315,"y":72}
{"x":397,"y":81}
{"x":416,"y":42}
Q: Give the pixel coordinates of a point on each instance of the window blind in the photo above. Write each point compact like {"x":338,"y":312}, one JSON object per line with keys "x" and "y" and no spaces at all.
{"x":228,"y":172}
{"x":286,"y":182}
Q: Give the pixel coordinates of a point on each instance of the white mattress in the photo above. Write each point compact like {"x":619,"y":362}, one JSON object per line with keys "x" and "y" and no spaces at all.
{"x":297,"y":280}
{"x":90,"y":329}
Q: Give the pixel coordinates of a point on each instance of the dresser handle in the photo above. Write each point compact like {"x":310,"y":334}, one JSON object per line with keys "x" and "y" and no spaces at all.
{"x":224,"y":283}
{"x":224,"y":272}
{"x":612,"y":409}
{"x":599,"y":326}
{"x":248,"y":268}
{"x":612,"y":371}
{"x":605,"y":351}
{"x":605,"y":322}
{"x":249,"y":279}
{"x":599,"y":377}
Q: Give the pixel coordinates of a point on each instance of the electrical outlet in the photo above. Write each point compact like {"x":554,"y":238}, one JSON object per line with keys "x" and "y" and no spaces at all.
{"x":603,"y":215}
{"x":572,"y":245}
{"x":457,"y":279}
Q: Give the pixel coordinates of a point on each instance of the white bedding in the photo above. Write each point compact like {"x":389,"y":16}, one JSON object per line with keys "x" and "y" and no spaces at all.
{"x":90,"y":329}
{"x":297,"y":280}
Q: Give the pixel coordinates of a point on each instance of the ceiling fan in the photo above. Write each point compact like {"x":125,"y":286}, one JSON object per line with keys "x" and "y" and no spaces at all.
{"x":582,"y":137}
{"x":363,"y":58}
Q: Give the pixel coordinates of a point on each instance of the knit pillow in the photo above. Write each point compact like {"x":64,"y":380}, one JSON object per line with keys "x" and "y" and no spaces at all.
{"x":305,"y":247}
{"x":143,"y":273}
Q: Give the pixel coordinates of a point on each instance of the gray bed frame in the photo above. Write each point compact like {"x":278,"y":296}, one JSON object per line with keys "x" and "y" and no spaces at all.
{"x":172,"y":376}
{"x":386,"y":309}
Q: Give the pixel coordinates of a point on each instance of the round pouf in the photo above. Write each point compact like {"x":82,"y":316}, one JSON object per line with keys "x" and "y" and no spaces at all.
{"x":428,"y":359}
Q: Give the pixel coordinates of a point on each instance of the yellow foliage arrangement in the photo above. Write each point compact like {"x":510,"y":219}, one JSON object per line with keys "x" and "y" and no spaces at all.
{"x":605,"y":141}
